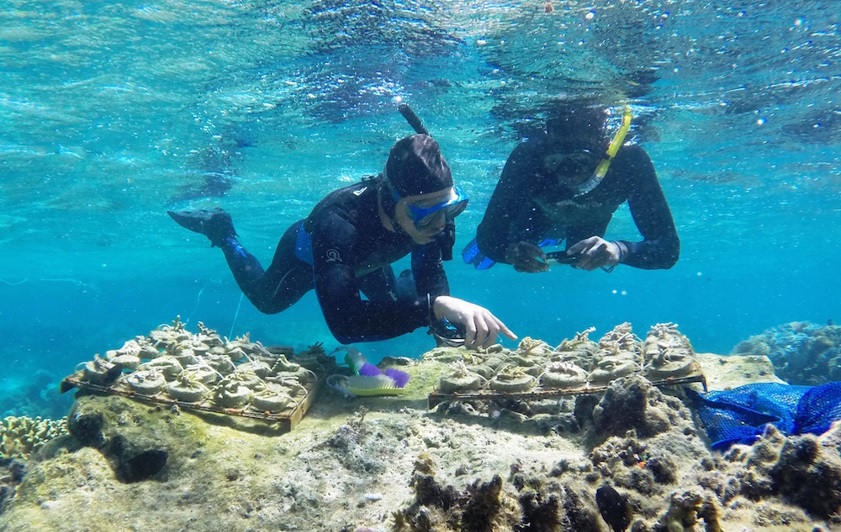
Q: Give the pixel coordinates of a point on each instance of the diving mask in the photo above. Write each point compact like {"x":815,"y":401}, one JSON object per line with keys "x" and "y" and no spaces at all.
{"x":449,"y":208}
{"x":423,"y":216}
{"x":572,"y":163}
{"x":580,"y":162}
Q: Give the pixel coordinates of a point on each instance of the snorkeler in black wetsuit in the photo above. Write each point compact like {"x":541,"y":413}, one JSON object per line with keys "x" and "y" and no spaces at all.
{"x":346,"y":245}
{"x":550,"y":190}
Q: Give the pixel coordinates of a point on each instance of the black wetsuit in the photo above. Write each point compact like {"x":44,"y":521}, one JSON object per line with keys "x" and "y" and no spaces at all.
{"x":342,"y":250}
{"x":529,"y":205}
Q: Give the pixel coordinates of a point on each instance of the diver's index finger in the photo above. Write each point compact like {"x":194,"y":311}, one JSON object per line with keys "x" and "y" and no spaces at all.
{"x":506,"y":331}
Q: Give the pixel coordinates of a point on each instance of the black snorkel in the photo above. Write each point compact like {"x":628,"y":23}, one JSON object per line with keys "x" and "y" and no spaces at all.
{"x":447,"y":237}
{"x":412,"y":119}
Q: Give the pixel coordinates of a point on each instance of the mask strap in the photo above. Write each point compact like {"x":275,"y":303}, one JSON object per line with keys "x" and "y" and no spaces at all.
{"x":388,"y":203}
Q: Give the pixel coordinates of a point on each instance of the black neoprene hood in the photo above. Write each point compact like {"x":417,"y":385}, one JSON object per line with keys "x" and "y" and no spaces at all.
{"x":416,"y":166}
{"x":578,"y":127}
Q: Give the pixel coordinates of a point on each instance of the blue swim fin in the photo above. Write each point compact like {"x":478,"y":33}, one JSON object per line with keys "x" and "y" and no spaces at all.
{"x":473,"y":255}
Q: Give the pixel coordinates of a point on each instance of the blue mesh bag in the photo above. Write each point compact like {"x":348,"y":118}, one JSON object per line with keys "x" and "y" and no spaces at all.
{"x":818,"y":408}
{"x":728,"y":422}
{"x":741,"y":414}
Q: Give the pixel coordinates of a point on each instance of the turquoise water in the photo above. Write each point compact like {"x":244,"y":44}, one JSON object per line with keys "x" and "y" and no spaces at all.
{"x":112,"y":112}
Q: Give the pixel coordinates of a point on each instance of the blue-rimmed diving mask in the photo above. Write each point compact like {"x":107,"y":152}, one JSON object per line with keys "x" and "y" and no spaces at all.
{"x":448,"y":208}
{"x":425,"y":216}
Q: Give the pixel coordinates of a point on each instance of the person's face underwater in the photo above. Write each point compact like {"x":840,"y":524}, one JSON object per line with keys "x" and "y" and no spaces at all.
{"x":575,"y":146}
{"x":424,"y":216}
{"x":571,"y":167}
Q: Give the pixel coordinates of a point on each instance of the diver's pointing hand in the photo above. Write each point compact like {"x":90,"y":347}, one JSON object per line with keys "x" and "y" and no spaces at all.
{"x":481,"y":326}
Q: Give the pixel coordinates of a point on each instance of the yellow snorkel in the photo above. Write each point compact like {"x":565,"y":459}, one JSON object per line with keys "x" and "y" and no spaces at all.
{"x":613,"y":148}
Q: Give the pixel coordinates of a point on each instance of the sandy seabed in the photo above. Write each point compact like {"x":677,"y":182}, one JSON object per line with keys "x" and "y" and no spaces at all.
{"x":393,"y":463}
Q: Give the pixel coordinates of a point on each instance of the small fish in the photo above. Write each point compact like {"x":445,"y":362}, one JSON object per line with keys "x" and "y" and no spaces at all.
{"x":614,"y":508}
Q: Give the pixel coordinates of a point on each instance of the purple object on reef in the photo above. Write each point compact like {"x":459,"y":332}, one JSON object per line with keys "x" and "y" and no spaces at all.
{"x":356,"y":361}
{"x":400,"y":378}
{"x":369,"y":370}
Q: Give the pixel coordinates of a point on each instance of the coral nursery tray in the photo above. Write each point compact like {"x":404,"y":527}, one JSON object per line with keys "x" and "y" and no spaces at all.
{"x":537,"y":394}
{"x":579,"y":366}
{"x":204,"y":372}
{"x":286,"y":419}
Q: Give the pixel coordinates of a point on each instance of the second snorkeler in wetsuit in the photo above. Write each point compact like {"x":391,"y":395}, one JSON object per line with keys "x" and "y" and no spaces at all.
{"x":547,"y":193}
{"x":346,"y":246}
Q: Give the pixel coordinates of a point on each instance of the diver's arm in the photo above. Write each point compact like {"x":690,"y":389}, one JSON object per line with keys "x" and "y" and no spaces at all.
{"x":506,"y":206}
{"x":349,"y":317}
{"x":481,"y":327}
{"x":660,"y":247}
{"x":428,"y":270}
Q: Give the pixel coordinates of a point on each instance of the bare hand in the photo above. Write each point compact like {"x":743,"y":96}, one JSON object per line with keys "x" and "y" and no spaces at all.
{"x":596,"y":252}
{"x":481,"y":327}
{"x":526,"y":257}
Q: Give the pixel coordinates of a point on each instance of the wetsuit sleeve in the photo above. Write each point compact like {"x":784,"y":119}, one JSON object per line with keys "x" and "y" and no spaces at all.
{"x":428,"y":271}
{"x":660,"y":247}
{"x":349,"y":317}
{"x":505,"y":221}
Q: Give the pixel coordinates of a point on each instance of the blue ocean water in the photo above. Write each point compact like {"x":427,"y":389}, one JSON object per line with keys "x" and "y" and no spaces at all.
{"x":113,"y":112}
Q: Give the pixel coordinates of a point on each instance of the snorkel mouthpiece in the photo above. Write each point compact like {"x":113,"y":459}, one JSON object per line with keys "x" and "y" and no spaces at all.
{"x":446,"y":240}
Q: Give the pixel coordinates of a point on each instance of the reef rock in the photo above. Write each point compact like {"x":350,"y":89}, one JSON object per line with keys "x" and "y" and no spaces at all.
{"x":802,"y":352}
{"x":634,"y":404}
{"x":803,"y":471}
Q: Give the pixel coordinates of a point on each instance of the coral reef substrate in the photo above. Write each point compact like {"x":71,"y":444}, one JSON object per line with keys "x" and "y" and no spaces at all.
{"x":633,"y":457}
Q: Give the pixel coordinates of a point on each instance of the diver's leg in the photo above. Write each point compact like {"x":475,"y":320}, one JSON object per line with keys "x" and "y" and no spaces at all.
{"x":271,"y":291}
{"x":285,"y":281}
